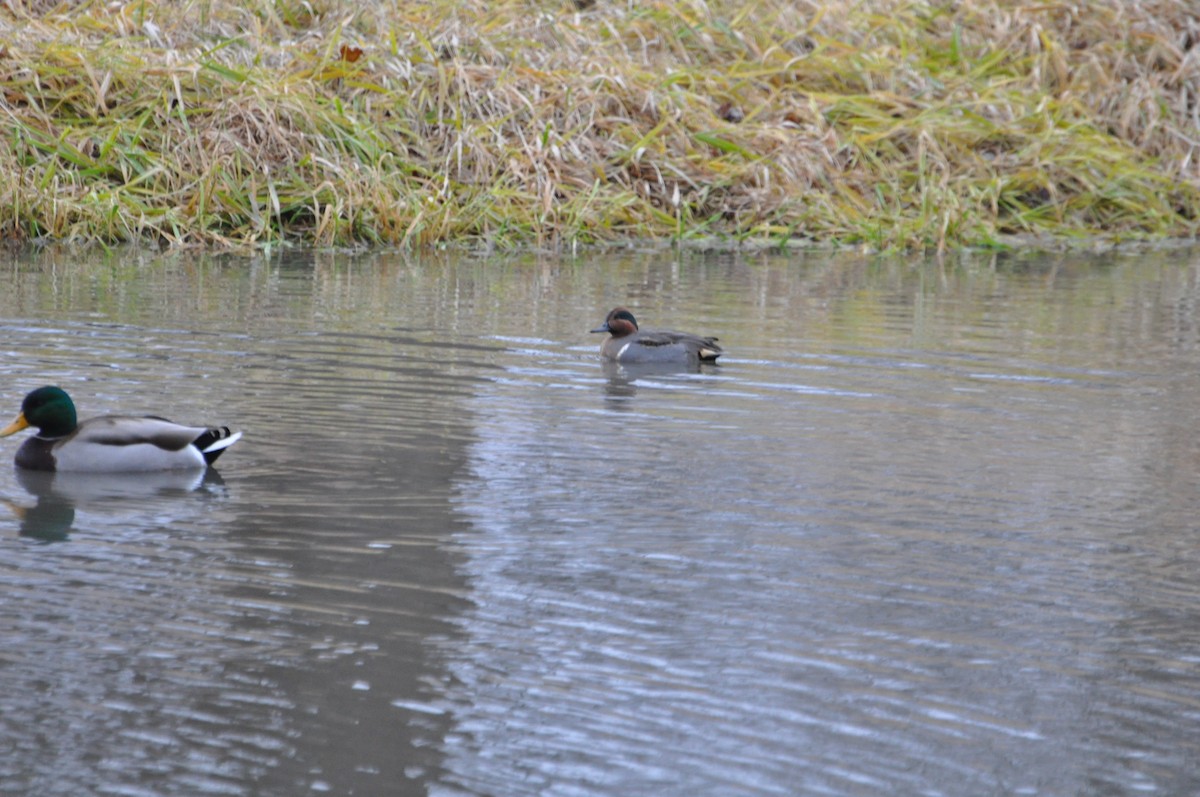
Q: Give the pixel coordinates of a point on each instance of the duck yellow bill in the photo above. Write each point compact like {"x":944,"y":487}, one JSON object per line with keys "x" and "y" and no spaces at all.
{"x":16,"y":426}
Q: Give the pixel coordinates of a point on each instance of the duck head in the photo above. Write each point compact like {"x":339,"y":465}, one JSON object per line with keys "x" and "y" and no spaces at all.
{"x":49,"y":409}
{"x":619,"y":323}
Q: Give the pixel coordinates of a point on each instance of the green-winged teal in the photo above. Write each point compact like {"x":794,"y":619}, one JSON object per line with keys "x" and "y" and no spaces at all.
{"x":628,"y":344}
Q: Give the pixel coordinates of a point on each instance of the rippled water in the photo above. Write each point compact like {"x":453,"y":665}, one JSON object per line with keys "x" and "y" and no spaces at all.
{"x":931,"y":528}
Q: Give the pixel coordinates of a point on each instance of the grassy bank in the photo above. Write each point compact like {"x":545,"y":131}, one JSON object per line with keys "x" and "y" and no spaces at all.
{"x":885,"y":122}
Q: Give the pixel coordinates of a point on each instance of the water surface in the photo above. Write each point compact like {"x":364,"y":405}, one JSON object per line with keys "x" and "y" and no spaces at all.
{"x":930,"y":528}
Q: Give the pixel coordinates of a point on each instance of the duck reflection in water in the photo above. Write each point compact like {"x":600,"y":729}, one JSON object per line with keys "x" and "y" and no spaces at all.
{"x":114,"y":496}
{"x":621,"y":380}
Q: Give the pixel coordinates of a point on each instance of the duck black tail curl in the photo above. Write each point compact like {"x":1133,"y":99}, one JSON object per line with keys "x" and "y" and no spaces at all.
{"x":214,"y":442}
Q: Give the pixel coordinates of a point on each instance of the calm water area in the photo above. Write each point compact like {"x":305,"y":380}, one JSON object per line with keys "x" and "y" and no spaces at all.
{"x":930,"y":528}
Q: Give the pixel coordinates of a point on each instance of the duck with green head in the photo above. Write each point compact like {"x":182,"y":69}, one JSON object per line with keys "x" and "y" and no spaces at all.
{"x":111,"y":443}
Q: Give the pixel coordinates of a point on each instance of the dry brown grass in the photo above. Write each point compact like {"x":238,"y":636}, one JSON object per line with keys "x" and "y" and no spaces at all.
{"x":888,"y":123}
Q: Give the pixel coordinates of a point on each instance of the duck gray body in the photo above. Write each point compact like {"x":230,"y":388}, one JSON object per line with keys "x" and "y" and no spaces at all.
{"x":112,"y":443}
{"x":627,"y":343}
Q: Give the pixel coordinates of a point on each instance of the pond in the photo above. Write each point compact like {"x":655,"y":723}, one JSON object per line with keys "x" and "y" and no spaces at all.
{"x":930,"y":527}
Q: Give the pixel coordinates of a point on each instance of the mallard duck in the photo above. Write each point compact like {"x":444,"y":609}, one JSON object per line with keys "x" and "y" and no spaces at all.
{"x":112,"y":443}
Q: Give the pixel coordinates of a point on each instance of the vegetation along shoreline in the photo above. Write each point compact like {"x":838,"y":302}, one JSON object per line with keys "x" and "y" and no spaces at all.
{"x":889,"y":123}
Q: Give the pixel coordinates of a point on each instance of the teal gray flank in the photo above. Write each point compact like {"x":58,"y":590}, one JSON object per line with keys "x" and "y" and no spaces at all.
{"x":627,"y":343}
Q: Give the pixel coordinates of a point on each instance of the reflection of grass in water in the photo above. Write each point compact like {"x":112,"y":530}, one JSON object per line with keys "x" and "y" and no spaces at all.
{"x":890,"y":123}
